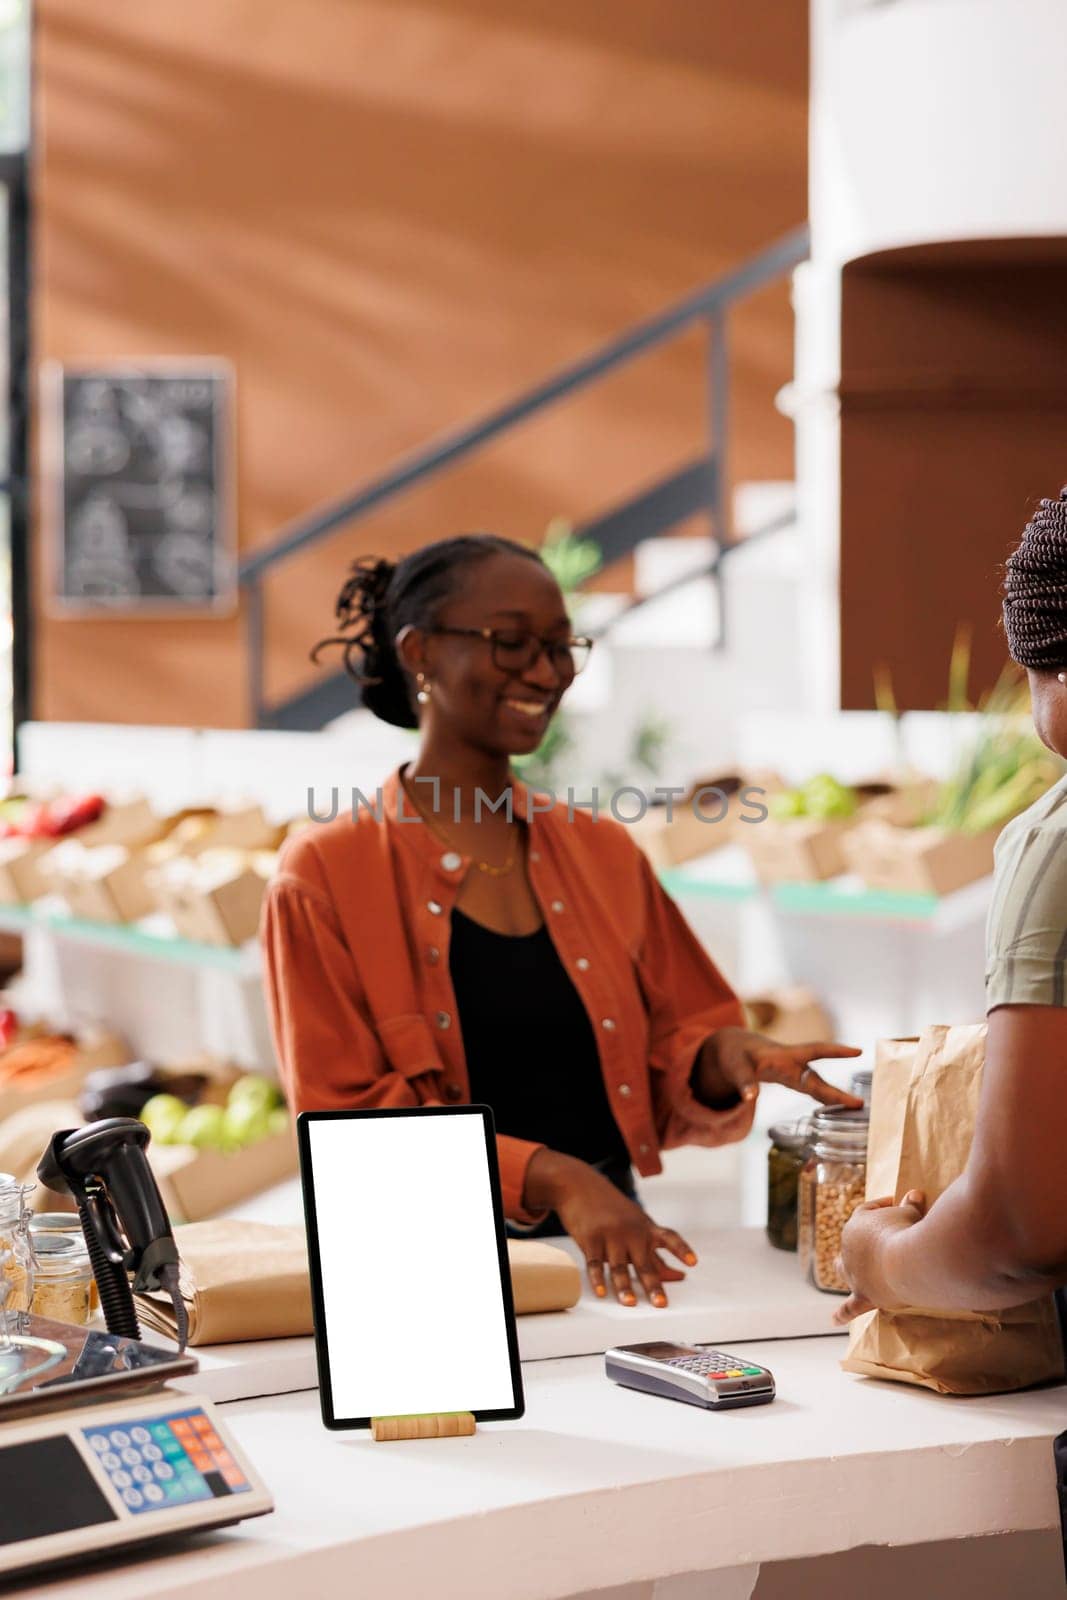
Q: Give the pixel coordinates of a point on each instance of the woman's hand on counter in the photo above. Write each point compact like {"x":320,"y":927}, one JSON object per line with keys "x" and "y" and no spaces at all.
{"x":618,"y":1239}
{"x":733,"y":1062}
{"x":864,"y":1243}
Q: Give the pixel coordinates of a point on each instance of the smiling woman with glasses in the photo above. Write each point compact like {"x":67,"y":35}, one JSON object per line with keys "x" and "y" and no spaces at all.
{"x":516,"y":649}
{"x":474,"y":942}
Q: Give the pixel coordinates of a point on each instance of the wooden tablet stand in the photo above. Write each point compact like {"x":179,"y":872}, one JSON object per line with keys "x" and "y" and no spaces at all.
{"x":434,"y":1425}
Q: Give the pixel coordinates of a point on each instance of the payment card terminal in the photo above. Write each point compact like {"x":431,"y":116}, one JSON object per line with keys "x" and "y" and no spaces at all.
{"x":701,"y":1377}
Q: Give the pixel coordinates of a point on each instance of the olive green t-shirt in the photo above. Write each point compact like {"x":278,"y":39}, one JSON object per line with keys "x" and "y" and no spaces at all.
{"x":1026,"y":933}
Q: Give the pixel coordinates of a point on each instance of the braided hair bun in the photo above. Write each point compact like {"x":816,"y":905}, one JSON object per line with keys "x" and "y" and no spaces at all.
{"x":1035,"y":590}
{"x":380,"y":598}
{"x":367,"y":651}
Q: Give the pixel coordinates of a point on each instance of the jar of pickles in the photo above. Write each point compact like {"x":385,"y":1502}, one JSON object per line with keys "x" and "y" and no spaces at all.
{"x":16,"y":1254}
{"x":830,"y":1188}
{"x":785,"y":1162}
{"x":64,"y":1278}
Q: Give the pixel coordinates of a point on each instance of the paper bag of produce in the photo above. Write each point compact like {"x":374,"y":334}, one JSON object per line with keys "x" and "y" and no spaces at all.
{"x":249,"y":1280}
{"x":922,"y":1122}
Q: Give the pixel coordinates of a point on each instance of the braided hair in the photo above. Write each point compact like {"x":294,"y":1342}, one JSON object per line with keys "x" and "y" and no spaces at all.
{"x":380,"y":598}
{"x":1035,"y":590}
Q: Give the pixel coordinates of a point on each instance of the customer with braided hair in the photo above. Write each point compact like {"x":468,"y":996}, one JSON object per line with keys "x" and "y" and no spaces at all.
{"x":998,"y":1236}
{"x":475,"y":943}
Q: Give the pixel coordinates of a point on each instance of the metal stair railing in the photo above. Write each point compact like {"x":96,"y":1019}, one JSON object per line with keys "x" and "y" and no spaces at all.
{"x":697,"y":486}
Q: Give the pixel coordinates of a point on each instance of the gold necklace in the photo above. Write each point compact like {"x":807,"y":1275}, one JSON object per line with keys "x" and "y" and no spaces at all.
{"x":487,"y":867}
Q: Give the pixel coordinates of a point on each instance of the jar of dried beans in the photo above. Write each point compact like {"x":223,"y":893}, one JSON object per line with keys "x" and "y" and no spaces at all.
{"x":831,"y":1187}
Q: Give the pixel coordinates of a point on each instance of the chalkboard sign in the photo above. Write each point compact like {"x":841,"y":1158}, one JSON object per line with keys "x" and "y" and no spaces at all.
{"x":142,"y":492}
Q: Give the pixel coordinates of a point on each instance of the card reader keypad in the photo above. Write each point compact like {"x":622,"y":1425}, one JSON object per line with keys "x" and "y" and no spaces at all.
{"x":713,"y":1366}
{"x":157,"y":1462}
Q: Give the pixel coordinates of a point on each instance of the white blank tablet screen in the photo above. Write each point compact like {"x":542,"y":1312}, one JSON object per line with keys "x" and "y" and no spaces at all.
{"x":409,"y":1265}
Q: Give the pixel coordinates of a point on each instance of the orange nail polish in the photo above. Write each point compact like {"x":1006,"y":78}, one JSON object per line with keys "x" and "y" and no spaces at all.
{"x":628,"y":1300}
{"x":601,"y":1291}
{"x":659,"y":1299}
{"x":690,"y":1259}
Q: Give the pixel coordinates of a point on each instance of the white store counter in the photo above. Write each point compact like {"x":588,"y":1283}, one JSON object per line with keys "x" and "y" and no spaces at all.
{"x":599,"y":1487}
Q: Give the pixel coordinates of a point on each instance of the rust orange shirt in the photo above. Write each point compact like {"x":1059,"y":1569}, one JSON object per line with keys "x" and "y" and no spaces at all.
{"x":355,"y":934}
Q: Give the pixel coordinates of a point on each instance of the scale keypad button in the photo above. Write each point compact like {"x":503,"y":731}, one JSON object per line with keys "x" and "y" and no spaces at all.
{"x":167,"y":1461}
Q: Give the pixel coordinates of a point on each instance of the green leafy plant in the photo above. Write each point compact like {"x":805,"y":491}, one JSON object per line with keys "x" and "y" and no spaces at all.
{"x":1004,"y":767}
{"x":649,"y":742}
{"x":644,"y":754}
{"x":541,"y":767}
{"x":571,"y":558}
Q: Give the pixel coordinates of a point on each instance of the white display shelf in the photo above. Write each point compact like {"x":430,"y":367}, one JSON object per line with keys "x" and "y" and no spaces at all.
{"x":153,"y":938}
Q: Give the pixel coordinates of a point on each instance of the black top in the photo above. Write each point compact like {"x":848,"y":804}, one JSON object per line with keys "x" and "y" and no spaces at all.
{"x":530,"y":1047}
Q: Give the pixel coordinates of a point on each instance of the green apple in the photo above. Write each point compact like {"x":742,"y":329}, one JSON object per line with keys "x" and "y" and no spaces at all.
{"x":205,"y":1127}
{"x":826,"y":798}
{"x":163,"y":1115}
{"x":254,"y":1090}
{"x":246,"y":1122}
{"x":788,"y":803}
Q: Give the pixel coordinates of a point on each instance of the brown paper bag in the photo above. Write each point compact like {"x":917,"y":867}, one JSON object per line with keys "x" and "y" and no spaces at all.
{"x":922,"y":1122}
{"x":239,"y":1280}
{"x":249,"y":1280}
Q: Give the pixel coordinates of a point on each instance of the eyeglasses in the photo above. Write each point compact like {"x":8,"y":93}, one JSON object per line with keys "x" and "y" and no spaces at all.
{"x":517,"y":649}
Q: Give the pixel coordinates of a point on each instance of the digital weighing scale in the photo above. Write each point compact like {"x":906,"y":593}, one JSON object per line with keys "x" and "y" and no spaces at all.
{"x":96,"y":1455}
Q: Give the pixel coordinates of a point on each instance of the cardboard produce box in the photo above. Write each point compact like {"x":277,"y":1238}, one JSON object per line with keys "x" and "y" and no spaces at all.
{"x":693,"y":828}
{"x":197,"y":1184}
{"x":107,"y":883}
{"x":74,"y":1060}
{"x":242,"y":828}
{"x":800,"y":849}
{"x":212,"y":899}
{"x":812,"y":849}
{"x":792,"y":1016}
{"x":131,"y":823}
{"x":919,"y":860}
{"x":21,"y":875}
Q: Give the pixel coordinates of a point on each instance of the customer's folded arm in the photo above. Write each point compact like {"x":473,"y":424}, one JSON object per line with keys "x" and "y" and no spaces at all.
{"x":997,"y":1237}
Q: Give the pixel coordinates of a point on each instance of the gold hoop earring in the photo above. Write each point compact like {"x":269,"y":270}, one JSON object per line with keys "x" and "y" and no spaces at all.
{"x":423,"y":692}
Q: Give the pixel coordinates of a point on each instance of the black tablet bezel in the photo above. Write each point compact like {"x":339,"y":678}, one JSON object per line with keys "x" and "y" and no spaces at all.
{"x":307,"y":1184}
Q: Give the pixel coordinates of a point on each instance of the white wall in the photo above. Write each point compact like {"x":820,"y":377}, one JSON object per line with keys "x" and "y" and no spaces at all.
{"x":936,"y":120}
{"x":931,"y":121}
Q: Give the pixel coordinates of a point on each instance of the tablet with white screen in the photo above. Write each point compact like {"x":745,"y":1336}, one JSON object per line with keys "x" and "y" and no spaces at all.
{"x":410,"y":1284}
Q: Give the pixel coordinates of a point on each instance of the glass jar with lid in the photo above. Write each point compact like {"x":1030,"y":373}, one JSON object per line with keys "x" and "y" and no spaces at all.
{"x":861,"y":1084}
{"x":833,"y":1184}
{"x":785,"y":1162}
{"x":64,"y":1277}
{"x":16,"y":1254}
{"x":65,"y":1223}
